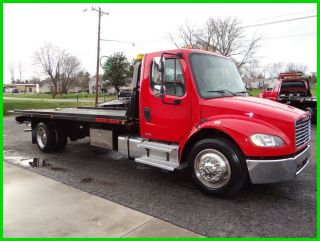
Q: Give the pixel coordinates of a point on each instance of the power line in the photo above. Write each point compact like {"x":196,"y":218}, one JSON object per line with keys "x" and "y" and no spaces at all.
{"x":280,"y":21}
{"x":286,"y":36}
{"x":279,"y":16}
{"x":118,"y":41}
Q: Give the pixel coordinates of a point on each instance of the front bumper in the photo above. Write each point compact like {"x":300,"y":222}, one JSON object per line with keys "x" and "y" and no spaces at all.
{"x":279,"y":170}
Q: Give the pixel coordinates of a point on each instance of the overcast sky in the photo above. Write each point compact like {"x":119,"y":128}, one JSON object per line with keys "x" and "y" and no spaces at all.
{"x":27,"y":27}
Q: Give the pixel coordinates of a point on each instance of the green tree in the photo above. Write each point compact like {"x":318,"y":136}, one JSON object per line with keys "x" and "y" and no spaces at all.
{"x":116,"y":70}
{"x":131,"y":68}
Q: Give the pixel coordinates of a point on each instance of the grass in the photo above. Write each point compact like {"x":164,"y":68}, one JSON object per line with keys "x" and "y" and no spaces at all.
{"x":255,"y":92}
{"x":313,"y":91}
{"x":63,"y":96}
{"x":9,"y":105}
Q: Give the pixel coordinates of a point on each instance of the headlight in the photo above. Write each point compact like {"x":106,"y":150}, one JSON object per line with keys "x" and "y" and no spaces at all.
{"x":266,"y":140}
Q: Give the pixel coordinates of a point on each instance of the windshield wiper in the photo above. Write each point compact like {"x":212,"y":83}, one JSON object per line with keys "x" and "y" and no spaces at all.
{"x":221,"y":91}
{"x":242,"y":92}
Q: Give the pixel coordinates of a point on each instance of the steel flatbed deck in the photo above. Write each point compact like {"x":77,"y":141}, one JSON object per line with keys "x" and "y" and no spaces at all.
{"x":90,"y":114}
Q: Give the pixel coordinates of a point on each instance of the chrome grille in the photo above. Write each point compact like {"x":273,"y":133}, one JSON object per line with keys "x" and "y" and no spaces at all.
{"x":303,"y":131}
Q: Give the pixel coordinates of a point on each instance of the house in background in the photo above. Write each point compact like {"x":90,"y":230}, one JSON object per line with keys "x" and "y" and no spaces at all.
{"x":20,"y":88}
{"x":101,"y":87}
{"x":46,"y":87}
{"x":253,"y":83}
{"x":92,"y":85}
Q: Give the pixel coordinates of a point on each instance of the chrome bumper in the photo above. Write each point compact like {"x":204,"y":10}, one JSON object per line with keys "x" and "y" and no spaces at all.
{"x":279,"y":170}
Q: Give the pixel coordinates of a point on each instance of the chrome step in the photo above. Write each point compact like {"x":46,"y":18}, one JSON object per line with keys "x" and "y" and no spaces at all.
{"x":158,"y":146}
{"x":152,"y":161}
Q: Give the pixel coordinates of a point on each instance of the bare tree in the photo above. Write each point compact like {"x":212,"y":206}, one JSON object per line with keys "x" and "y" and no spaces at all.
{"x":51,"y":59}
{"x":83,"y":79}
{"x":273,"y":69}
{"x":69,"y":73}
{"x":252,"y":70}
{"x":225,"y":36}
{"x":188,"y":34}
{"x":313,"y":77}
{"x":294,"y":67}
{"x":11,"y":69}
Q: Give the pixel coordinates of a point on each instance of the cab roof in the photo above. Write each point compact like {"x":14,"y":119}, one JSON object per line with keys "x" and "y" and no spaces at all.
{"x":186,"y":51}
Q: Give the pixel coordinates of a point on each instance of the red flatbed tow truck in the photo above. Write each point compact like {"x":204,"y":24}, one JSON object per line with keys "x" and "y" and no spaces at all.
{"x":293,"y":89}
{"x":188,"y":108}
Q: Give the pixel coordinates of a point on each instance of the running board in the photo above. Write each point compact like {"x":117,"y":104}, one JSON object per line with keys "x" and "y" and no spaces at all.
{"x":152,"y":161}
{"x":158,"y":146}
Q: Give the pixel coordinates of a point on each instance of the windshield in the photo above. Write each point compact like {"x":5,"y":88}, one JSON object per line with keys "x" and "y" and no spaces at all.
{"x":293,"y":84}
{"x":216,"y":76}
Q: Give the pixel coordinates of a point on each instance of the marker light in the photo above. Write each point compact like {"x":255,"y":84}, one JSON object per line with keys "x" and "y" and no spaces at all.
{"x":139,"y":57}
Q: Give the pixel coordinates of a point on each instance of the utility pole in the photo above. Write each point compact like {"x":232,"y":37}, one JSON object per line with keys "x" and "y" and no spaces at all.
{"x":20,"y":71}
{"x":98,"y":58}
{"x":100,"y":12}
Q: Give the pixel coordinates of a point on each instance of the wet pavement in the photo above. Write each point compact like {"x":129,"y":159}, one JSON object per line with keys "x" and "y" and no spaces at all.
{"x":277,"y":210}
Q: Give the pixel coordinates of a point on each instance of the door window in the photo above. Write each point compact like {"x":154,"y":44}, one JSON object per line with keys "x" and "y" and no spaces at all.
{"x":173,"y":78}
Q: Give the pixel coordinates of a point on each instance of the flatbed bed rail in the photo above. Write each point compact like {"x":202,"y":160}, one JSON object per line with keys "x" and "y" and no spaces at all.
{"x":93,"y":115}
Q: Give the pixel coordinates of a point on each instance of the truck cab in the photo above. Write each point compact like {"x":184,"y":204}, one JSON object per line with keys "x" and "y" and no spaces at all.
{"x":189,"y":108}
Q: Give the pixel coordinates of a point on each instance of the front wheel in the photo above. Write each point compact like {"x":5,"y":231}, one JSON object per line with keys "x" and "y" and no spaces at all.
{"x":218,"y":166}
{"x":312,"y":113}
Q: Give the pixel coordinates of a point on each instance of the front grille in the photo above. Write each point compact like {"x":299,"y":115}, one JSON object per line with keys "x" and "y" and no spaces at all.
{"x":303,"y":131}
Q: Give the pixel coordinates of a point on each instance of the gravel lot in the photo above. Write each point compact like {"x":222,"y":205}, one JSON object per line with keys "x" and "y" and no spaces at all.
{"x":277,"y":210}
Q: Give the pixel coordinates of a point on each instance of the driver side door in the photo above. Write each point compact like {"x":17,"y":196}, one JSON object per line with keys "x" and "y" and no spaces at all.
{"x":166,"y":116}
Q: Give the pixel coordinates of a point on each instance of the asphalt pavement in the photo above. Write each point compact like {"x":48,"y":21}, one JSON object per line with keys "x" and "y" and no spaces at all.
{"x":276,"y":210}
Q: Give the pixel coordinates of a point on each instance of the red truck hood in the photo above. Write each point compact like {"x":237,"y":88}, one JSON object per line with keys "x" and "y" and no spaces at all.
{"x":265,"y":109}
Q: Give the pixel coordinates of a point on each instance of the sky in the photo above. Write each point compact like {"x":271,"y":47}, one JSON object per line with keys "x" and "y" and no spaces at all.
{"x":27,"y":27}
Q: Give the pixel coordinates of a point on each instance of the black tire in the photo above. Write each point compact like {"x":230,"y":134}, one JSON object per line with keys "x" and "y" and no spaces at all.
{"x":233,"y":168}
{"x":313,"y":113}
{"x":62,"y":139}
{"x":46,"y":137}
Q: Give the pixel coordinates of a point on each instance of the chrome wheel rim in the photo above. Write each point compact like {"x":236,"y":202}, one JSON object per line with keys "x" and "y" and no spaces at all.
{"x":41,"y":137}
{"x":212,"y":168}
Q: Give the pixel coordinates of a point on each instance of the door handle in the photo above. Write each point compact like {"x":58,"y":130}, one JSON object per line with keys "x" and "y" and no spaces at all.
{"x":147,"y":114}
{"x":170,"y":101}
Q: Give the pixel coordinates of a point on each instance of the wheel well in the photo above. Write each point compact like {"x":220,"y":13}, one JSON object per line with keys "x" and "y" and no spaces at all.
{"x":203,"y":134}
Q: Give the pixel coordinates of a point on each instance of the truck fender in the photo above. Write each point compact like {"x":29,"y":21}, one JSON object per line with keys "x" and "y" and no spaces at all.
{"x":235,"y":128}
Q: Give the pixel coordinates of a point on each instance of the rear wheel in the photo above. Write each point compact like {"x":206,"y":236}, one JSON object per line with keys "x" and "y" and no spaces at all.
{"x":62,"y":139}
{"x":45,"y":137}
{"x":218,"y":166}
